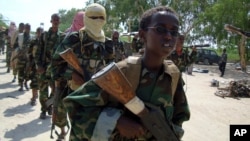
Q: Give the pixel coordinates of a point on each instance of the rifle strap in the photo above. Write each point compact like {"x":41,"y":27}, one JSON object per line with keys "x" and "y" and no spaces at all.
{"x":83,"y":37}
{"x":133,"y":64}
{"x":174,"y":73}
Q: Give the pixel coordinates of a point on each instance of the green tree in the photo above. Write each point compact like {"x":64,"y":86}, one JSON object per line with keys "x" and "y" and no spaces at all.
{"x":2,"y":21}
{"x":227,"y":12}
{"x":127,"y":13}
{"x":200,"y":20}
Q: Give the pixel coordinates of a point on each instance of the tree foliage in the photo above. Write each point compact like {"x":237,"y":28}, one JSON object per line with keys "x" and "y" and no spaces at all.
{"x":2,"y":21}
{"x":223,"y":12}
{"x":127,"y":13}
{"x":200,"y":20}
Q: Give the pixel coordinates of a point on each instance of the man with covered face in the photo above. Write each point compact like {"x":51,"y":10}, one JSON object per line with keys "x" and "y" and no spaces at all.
{"x":90,"y":46}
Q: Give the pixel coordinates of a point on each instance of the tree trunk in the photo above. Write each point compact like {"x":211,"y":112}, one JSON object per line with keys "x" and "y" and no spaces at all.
{"x":243,"y":53}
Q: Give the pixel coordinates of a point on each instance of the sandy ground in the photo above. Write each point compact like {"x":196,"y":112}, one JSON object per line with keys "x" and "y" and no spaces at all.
{"x":210,"y":115}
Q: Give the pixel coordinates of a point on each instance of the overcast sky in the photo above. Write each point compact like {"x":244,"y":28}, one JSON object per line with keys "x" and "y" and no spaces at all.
{"x":35,"y":12}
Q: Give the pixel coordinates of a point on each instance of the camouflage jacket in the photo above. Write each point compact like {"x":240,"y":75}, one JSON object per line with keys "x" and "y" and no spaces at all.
{"x":183,"y":60}
{"x":32,"y":50}
{"x":91,"y":54}
{"x":2,"y":37}
{"x":47,"y":46}
{"x":23,"y":51}
{"x":118,"y":50}
{"x":137,"y":44}
{"x":89,"y":105}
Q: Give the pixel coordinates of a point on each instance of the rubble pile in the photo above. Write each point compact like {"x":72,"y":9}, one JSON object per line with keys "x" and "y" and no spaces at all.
{"x":237,"y":88}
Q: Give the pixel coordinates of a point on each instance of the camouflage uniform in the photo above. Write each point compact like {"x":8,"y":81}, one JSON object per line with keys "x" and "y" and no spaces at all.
{"x":22,"y":60}
{"x":137,"y":44}
{"x":86,"y":104}
{"x":14,"y":54}
{"x":184,"y":60}
{"x":8,"y":53}
{"x":6,"y":41}
{"x":119,"y":52}
{"x":92,"y":55}
{"x":32,"y":74}
{"x":43,"y":58}
{"x":2,"y":41}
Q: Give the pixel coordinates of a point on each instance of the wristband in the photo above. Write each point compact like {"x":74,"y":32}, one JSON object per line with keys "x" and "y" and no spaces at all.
{"x":135,"y":105}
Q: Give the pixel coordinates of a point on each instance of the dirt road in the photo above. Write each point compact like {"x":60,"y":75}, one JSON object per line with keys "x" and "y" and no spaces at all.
{"x":210,"y":115}
{"x":19,"y":121}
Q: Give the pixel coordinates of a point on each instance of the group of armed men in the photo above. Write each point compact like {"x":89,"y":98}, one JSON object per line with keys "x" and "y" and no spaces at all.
{"x":41,"y":61}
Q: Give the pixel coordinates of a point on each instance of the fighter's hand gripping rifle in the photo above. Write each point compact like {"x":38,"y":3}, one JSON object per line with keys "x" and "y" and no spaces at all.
{"x":113,"y":81}
{"x":236,"y":30}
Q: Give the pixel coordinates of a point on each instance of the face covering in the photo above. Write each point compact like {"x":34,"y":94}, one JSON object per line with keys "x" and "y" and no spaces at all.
{"x":77,"y":23}
{"x":12,"y":29}
{"x":93,"y":27}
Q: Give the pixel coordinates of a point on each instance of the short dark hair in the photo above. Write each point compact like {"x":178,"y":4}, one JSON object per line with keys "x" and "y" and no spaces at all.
{"x":147,"y":15}
{"x":55,"y":15}
{"x":224,"y":50}
{"x":21,"y":24}
{"x":39,"y":29}
{"x":27,"y":25}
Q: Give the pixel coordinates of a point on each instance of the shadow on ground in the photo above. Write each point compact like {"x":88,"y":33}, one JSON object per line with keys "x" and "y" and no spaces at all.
{"x":29,"y":130}
{"x":19,"y":109}
{"x":8,"y":85}
{"x":11,"y":94}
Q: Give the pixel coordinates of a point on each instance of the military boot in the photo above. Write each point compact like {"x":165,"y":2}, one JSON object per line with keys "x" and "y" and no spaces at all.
{"x":61,"y":137}
{"x":14,"y":79}
{"x":21,"y":87}
{"x":43,"y":115}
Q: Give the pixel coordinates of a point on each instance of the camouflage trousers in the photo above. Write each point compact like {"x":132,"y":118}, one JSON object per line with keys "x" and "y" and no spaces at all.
{"x":60,"y":119}
{"x":13,"y":62}
{"x":60,"y":112}
{"x":33,"y":76}
{"x":2,"y":46}
{"x":22,"y":70}
{"x":8,"y":56}
{"x":44,"y":83}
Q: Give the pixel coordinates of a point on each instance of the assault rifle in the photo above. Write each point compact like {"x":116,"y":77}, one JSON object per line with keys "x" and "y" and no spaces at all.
{"x":69,"y":56}
{"x":198,"y":45}
{"x":113,"y":81}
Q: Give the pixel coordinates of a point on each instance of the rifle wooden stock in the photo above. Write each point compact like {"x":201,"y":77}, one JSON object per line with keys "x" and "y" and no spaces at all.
{"x":113,"y":81}
{"x":69,"y":56}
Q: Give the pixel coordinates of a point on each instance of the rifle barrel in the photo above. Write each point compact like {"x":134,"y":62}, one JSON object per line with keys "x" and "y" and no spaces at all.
{"x":202,"y":45}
